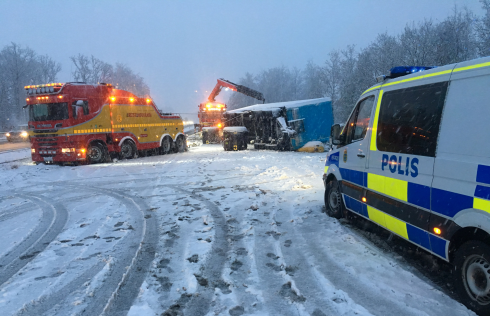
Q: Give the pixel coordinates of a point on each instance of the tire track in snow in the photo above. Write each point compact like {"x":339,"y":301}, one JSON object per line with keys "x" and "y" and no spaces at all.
{"x":199,"y":305}
{"x":121,"y":284}
{"x":50,"y":225}
{"x":9,"y":214}
{"x":359,"y":292}
{"x":318,"y":291}
{"x":269,"y":272}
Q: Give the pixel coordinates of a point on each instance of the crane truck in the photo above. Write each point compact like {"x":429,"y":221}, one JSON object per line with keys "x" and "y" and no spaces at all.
{"x":211,"y":112}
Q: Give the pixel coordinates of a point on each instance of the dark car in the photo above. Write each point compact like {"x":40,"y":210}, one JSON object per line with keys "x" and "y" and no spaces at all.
{"x":19,"y":133}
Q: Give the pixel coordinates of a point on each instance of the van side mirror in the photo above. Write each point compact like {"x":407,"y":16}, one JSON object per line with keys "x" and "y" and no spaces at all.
{"x":335,"y":134}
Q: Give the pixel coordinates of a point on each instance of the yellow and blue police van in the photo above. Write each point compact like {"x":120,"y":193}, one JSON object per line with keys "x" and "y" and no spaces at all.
{"x":413,"y":158}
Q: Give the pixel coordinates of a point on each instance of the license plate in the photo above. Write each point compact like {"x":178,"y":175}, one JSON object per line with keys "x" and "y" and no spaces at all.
{"x":48,"y":159}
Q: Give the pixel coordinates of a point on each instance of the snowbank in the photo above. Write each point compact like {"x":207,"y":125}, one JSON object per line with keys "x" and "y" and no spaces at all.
{"x":15,"y":155}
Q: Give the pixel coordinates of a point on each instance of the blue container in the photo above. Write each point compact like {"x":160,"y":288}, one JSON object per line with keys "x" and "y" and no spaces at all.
{"x":316,"y":119}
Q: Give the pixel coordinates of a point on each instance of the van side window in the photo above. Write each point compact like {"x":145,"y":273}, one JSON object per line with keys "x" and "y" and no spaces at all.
{"x":349,"y":128}
{"x":358,"y":123}
{"x":409,"y":119}
{"x":363,"y":116}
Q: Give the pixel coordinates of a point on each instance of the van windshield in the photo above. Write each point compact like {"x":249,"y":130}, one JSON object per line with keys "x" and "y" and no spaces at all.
{"x":48,"y":112}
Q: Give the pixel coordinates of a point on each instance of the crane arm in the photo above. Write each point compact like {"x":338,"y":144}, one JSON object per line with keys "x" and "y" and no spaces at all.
{"x":235,"y":87}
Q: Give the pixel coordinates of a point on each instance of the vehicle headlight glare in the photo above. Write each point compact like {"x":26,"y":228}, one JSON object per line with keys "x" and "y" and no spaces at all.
{"x":23,"y":134}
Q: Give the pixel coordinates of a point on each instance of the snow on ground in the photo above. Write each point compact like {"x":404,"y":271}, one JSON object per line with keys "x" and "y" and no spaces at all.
{"x":12,"y":155}
{"x":206,"y":232}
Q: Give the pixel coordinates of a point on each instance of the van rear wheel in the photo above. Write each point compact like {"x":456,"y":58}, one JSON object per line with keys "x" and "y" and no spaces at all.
{"x":472,"y":263}
{"x":333,"y":200}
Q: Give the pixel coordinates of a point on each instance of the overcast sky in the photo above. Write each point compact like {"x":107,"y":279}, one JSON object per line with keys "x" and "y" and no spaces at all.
{"x":181,"y":47}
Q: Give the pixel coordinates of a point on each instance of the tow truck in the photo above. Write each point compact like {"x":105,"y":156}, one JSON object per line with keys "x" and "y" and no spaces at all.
{"x":83,"y":123}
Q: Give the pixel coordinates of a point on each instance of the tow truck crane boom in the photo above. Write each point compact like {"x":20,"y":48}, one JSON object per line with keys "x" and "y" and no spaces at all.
{"x":235,"y":87}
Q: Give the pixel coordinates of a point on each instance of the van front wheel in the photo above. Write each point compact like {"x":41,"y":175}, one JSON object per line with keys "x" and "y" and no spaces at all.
{"x":472,"y":263}
{"x":333,"y":200}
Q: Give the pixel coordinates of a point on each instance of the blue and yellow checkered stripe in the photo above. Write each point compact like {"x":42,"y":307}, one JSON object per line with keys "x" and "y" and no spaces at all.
{"x":444,"y":202}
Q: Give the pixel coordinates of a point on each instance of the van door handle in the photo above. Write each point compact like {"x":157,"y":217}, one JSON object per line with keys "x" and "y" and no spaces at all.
{"x":361,"y":154}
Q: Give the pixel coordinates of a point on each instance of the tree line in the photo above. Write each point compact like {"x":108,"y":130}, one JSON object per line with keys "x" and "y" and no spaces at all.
{"x":21,"y":66}
{"x":347,"y":72}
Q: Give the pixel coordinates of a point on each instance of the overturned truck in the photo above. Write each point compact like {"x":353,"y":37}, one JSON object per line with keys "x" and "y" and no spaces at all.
{"x":284,"y":125}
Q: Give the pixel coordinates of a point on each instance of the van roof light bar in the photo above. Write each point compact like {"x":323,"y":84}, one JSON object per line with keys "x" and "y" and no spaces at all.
{"x":400,"y":71}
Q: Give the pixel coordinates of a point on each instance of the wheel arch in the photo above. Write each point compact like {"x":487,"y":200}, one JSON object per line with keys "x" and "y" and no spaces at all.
{"x":333,"y":173}
{"x":125,"y":138}
{"x":179,"y":134}
{"x":97,"y":141}
{"x":464,"y":235}
{"x":163,"y":136}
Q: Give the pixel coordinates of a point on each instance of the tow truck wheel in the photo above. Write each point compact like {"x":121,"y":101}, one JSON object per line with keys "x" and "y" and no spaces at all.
{"x":333,"y":200}
{"x":128,"y":150}
{"x":95,"y":153}
{"x":179,"y":144}
{"x":166,"y":146}
{"x":472,"y":263}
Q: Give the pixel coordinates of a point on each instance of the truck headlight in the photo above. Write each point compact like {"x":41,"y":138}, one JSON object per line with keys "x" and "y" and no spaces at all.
{"x":67,"y":150}
{"x":23,"y":134}
{"x":8,"y":134}
{"x":33,"y":150}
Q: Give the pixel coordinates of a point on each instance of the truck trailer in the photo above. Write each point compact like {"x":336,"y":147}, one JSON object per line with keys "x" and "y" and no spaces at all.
{"x":284,"y":125}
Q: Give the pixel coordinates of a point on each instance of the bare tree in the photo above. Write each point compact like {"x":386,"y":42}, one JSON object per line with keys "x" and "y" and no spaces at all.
{"x":91,"y":70}
{"x":124,"y":78}
{"x":483,"y":30}
{"x":456,"y":38}
{"x":21,"y":66}
{"x":238,"y":100}
{"x":48,"y":69}
{"x":313,"y":83}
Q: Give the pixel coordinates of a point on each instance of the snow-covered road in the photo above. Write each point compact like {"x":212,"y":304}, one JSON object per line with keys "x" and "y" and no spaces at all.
{"x":205,"y":232}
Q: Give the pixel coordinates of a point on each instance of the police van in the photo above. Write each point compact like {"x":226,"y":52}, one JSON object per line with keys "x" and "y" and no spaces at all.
{"x":414,"y":158}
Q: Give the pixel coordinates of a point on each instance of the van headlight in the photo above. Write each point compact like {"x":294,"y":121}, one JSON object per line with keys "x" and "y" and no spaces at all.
{"x":8,"y":134}
{"x":23,"y":134}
